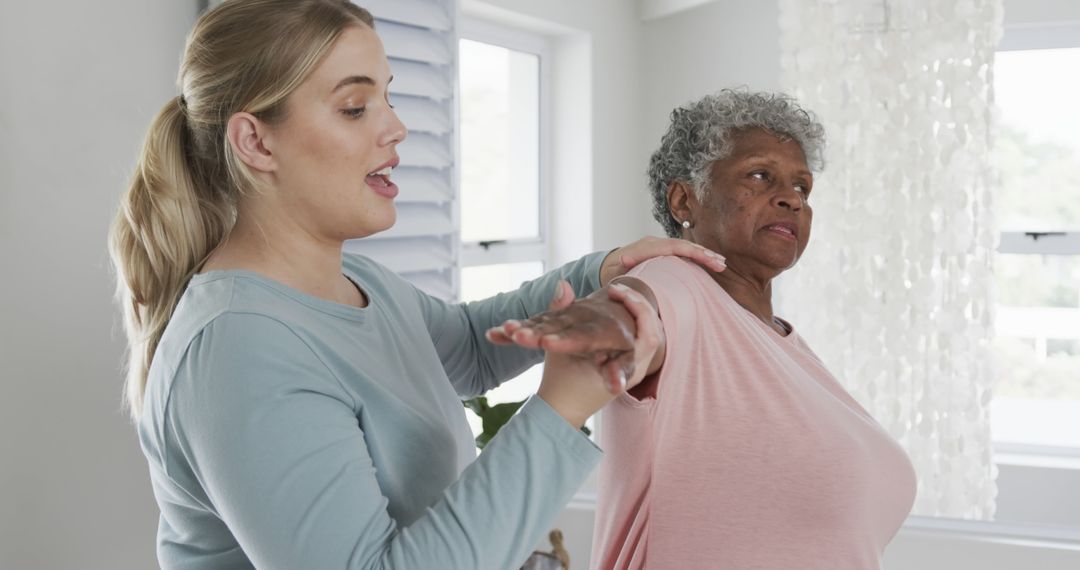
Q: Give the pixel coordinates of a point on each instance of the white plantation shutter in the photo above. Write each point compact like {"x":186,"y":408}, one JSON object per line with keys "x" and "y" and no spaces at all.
{"x":421,"y":44}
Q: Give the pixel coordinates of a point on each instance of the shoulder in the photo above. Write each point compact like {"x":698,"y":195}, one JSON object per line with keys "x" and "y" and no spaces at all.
{"x":243,"y":363}
{"x":667,"y":265}
{"x":363,"y":265}
{"x":368,"y":269}
{"x":670,"y":274}
{"x":226,"y":301}
{"x":223,"y":362}
{"x":230,"y":349}
{"x":381,"y":279}
{"x":233,"y":327}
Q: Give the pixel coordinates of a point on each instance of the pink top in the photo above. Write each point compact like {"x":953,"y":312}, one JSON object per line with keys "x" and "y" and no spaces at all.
{"x":750,"y":455}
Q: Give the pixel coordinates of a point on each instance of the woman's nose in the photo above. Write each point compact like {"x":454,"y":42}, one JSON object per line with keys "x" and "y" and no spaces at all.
{"x":790,"y":199}
{"x":395,"y":131}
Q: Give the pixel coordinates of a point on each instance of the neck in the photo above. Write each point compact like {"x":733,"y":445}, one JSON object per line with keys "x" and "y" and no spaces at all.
{"x":277,"y":248}
{"x":751,"y":293}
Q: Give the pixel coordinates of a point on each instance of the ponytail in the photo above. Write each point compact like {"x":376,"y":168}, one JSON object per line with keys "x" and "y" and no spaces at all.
{"x":167,"y":224}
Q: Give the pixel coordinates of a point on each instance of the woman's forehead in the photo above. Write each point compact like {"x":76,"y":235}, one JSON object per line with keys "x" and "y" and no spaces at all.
{"x":756,"y":142}
{"x":357,"y":53}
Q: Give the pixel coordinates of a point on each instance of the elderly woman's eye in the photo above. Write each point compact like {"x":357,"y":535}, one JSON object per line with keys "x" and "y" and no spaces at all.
{"x":760,"y":175}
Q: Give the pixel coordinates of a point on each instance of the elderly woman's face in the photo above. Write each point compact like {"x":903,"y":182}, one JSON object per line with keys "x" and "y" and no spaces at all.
{"x":755,"y":211}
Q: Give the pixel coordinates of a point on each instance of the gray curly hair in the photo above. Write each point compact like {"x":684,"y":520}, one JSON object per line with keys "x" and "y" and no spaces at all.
{"x":701,"y":133}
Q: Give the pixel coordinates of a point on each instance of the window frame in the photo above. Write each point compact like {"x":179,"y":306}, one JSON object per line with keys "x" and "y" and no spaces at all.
{"x":472,"y":254}
{"x":1061,"y":243}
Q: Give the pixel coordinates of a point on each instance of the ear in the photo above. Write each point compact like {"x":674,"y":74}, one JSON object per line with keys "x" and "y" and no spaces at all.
{"x":682,"y":202}
{"x":246,"y":134}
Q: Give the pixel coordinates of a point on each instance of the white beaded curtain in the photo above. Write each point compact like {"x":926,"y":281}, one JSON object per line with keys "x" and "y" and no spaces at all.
{"x":894,"y":292}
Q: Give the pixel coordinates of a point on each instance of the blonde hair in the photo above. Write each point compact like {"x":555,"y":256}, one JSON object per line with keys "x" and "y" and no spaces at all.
{"x":242,"y":56}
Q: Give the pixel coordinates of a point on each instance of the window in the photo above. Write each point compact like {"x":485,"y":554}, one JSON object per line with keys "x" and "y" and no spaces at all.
{"x":503,"y":200}
{"x":1037,"y":397}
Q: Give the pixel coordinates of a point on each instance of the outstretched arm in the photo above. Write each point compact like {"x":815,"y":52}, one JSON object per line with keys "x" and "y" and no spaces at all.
{"x":475,"y":366}
{"x":596,"y":325}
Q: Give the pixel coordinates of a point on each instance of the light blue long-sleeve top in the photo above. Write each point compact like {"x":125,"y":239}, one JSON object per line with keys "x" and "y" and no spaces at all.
{"x":287,"y":431}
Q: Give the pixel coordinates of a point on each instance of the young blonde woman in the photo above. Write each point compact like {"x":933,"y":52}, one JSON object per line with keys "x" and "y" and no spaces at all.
{"x":299,"y":408}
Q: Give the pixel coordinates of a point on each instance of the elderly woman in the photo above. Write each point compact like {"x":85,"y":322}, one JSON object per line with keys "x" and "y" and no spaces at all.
{"x":739,"y":450}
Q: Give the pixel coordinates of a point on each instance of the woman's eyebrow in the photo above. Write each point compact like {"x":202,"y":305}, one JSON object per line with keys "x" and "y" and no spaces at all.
{"x":761,"y":158}
{"x":354,"y":80}
{"x":358,"y":80}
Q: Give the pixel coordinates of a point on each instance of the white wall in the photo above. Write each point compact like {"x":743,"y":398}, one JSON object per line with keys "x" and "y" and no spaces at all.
{"x":79,"y":83}
{"x":698,"y":51}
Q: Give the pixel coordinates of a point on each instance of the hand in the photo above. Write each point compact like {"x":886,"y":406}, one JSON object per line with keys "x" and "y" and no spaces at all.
{"x":599,"y":328}
{"x":621,"y":260}
{"x":596,"y":347}
{"x":576,"y":385}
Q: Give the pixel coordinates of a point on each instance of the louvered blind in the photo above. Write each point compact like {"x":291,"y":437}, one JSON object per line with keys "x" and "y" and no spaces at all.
{"x":420,"y":43}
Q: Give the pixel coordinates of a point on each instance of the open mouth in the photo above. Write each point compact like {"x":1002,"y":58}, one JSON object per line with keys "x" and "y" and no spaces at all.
{"x":380,"y":177}
{"x":380,"y":182}
{"x":782,"y":229}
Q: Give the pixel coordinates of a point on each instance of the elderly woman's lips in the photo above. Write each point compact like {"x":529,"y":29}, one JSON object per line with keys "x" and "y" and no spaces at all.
{"x":786,"y":231}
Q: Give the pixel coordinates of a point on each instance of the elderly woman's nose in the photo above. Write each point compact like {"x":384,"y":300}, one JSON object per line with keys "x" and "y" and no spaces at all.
{"x":788,"y":198}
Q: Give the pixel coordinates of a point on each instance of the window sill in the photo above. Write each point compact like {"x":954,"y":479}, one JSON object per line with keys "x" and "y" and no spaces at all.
{"x":1029,"y":535}
{"x":986,"y":531}
{"x":1037,"y":456}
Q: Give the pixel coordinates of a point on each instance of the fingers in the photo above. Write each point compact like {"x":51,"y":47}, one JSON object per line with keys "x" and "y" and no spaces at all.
{"x":529,"y":334}
{"x":564,"y":296}
{"x":496,"y":335}
{"x":508,"y":332}
{"x":648,"y":336}
{"x":615,"y":375}
{"x":648,"y":324}
{"x":646,"y":249}
{"x":503,"y":334}
{"x":571,"y":344}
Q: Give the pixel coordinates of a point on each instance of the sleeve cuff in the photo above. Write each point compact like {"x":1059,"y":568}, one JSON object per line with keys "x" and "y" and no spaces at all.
{"x":541,"y":414}
{"x":593,"y":263}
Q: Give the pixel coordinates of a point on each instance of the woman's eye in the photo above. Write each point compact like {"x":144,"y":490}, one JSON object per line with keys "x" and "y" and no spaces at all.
{"x":760,"y":175}
{"x":354,"y":112}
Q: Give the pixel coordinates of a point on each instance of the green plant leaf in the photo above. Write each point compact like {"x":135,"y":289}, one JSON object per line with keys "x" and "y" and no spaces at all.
{"x":493,"y":418}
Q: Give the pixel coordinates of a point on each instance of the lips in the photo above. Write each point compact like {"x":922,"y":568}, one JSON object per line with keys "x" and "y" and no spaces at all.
{"x":379,"y":179}
{"x":786,"y":230}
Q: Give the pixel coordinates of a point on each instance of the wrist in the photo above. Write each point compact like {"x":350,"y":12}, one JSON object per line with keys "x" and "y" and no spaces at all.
{"x":573,"y":412}
{"x":608,"y":269}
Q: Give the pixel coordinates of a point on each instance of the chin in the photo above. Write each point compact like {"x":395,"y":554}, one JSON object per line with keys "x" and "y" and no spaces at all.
{"x":370,"y":225}
{"x":382,"y":223}
{"x":791,"y":263}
